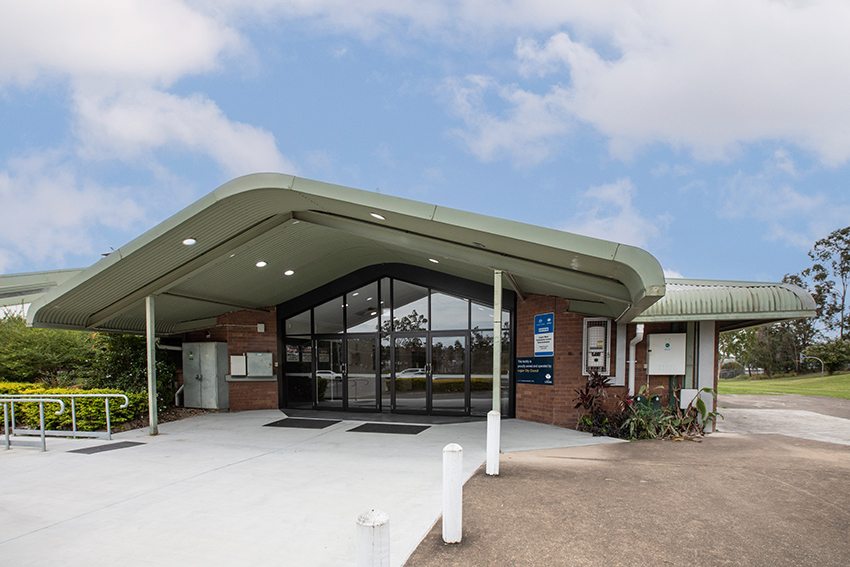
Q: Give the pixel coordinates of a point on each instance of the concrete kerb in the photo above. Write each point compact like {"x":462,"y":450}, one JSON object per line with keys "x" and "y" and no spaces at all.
{"x":223,"y":489}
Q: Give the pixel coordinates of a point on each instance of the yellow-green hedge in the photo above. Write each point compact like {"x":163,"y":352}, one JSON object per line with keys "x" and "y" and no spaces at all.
{"x":90,"y":412}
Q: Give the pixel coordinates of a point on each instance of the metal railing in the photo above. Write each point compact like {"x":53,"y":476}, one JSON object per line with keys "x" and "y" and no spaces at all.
{"x":9,"y":401}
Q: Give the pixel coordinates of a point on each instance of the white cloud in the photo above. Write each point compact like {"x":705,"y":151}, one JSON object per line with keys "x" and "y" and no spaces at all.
{"x":130,"y":124}
{"x":49,"y":212}
{"x":672,"y":274}
{"x":525,"y":132}
{"x":612,"y":215}
{"x":118,"y":58}
{"x":785,"y":213}
{"x":155,"y":41}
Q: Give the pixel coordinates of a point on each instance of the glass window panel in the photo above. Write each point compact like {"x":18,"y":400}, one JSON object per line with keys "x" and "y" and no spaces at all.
{"x":327,"y":317}
{"x":298,"y":325}
{"x":363,"y":309}
{"x":482,"y":316}
{"x":386,"y":324}
{"x":448,"y":312}
{"x":481,"y":372}
{"x":298,"y":367}
{"x":410,"y":307}
{"x":361,"y":373}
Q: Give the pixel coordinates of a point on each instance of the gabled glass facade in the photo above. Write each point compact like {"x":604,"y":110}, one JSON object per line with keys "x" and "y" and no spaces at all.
{"x":393,"y":345}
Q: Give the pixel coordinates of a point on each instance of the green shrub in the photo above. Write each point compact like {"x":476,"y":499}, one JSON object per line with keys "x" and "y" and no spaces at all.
{"x":90,"y":412}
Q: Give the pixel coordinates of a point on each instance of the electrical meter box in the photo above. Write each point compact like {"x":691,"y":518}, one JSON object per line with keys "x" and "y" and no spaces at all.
{"x":260,"y":364}
{"x":666,"y":354}
{"x":204,"y":372}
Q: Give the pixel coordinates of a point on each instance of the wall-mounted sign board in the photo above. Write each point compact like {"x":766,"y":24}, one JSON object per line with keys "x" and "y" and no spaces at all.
{"x":535,"y":370}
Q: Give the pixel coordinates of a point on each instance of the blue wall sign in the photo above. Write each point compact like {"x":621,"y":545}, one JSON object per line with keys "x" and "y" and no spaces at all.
{"x":544,"y":334}
{"x":535,"y":370}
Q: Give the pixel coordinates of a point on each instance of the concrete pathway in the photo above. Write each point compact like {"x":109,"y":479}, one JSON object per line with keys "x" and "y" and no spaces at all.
{"x":806,"y":417}
{"x":221,"y":489}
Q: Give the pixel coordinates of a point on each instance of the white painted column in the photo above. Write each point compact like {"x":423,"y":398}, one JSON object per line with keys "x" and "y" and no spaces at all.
{"x":452,"y":493}
{"x":497,"y":340}
{"x":373,"y":539}
{"x":494,"y":430}
{"x":706,"y":369}
{"x":150,"y":324}
{"x":494,"y":416}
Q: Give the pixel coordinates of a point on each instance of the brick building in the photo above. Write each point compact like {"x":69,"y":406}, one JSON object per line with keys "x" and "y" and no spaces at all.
{"x":291,"y":293}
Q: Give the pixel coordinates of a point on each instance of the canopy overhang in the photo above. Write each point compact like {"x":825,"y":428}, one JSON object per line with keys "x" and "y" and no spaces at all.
{"x":322,"y":232}
{"x":734,"y":305}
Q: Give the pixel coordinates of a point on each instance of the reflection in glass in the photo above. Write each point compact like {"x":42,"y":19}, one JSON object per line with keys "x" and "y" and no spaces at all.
{"x":410,"y":374}
{"x":361,"y":375}
{"x":329,"y":384}
{"x":481,"y":372}
{"x":298,"y":367}
{"x":363,"y":309}
{"x":327,"y":317}
{"x":449,"y":313}
{"x":482,"y":317}
{"x":298,"y":325}
{"x":386,"y":371}
{"x":448,"y":376}
{"x":410,"y":307}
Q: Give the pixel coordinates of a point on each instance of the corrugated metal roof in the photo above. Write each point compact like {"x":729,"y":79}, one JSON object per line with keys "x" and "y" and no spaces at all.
{"x":323,"y":232}
{"x":734,"y":304}
{"x":18,"y":289}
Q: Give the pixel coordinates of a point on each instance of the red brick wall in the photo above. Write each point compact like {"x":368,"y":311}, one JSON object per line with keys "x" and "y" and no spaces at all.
{"x":554,"y":404}
{"x":239,"y":330}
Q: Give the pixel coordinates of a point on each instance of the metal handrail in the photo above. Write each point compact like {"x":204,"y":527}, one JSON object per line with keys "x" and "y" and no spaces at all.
{"x":13,"y":398}
{"x":7,"y":400}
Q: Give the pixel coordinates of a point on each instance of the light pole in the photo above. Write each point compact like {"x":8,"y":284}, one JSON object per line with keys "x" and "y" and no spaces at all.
{"x":804,"y":357}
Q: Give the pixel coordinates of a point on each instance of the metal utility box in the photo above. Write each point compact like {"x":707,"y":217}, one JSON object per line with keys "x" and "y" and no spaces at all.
{"x":666,"y":354}
{"x":260,"y":364}
{"x":204,"y":372}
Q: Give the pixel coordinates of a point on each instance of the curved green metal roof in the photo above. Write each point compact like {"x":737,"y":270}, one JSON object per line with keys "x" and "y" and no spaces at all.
{"x":18,"y":289}
{"x":322,"y":232}
{"x":735,"y":305}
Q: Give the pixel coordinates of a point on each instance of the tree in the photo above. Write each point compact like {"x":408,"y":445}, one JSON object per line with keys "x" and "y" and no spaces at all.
{"x":831,"y":276}
{"x":48,"y":355}
{"x":739,"y":345}
{"x":122,"y":362}
{"x":835,"y":354}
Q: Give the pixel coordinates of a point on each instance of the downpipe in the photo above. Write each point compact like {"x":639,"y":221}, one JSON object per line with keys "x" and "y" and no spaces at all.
{"x":633,"y":357}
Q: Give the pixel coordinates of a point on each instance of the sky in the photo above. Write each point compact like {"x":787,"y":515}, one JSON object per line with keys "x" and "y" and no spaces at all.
{"x":713,"y":134}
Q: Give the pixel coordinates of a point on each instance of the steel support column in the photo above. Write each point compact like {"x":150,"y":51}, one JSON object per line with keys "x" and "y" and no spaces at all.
{"x":150,"y":324}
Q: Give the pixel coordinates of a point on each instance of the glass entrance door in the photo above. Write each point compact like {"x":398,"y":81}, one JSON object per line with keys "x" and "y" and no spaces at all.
{"x":448,"y":374}
{"x":410,"y":377}
{"x":329,"y":382}
{"x":361,"y":380}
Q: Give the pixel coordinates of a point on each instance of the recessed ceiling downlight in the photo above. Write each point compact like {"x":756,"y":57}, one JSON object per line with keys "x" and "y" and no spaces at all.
{"x":261,"y":264}
{"x":433,"y":260}
{"x":379,"y":217}
{"x":189,"y":241}
{"x":288,"y":272}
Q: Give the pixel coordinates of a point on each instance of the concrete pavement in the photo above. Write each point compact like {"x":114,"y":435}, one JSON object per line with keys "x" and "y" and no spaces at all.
{"x":221,"y":489}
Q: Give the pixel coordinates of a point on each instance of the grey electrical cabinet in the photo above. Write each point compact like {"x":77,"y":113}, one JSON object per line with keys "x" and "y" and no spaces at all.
{"x":204,"y":372}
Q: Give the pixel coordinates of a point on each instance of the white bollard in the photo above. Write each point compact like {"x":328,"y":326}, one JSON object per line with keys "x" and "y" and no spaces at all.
{"x":373,"y":539}
{"x":452,"y":493}
{"x":494,"y":425}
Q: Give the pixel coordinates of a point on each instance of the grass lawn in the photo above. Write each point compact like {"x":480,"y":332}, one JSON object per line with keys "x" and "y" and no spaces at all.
{"x":835,"y":386}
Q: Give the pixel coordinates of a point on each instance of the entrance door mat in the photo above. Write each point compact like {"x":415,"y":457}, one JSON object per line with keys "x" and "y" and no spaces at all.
{"x":389,"y":428}
{"x":301,"y":423}
{"x":109,"y":447}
